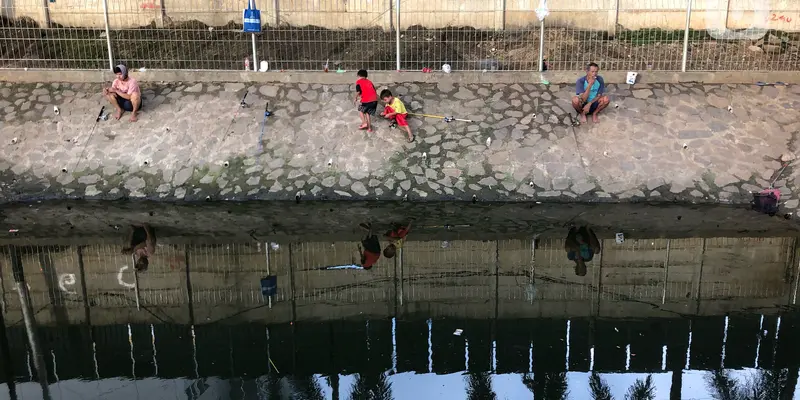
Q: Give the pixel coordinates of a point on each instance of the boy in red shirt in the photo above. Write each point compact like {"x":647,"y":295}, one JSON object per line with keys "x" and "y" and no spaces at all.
{"x":365,"y":92}
{"x":395,"y":111}
{"x":372,"y":247}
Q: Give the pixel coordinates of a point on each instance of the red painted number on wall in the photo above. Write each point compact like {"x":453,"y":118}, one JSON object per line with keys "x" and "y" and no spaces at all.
{"x":779,"y":18}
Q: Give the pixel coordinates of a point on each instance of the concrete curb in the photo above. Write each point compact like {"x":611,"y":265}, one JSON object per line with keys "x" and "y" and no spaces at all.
{"x":386,"y":77}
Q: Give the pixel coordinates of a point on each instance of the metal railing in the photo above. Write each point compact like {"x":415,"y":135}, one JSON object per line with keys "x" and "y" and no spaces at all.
{"x":664,"y":35}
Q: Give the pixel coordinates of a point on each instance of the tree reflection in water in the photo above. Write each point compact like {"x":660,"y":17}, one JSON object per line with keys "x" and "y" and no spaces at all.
{"x":547,"y":385}
{"x":305,"y":388}
{"x":642,"y":389}
{"x":479,"y":386}
{"x":760,"y":385}
{"x":371,"y":386}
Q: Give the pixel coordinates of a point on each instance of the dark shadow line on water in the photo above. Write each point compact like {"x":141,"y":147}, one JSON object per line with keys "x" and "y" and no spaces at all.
{"x":618,"y":295}
{"x":35,"y":313}
{"x":143,"y":307}
{"x":314,"y":293}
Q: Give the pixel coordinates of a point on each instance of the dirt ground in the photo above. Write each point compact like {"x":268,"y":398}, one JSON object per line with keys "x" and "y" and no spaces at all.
{"x":193,"y":45}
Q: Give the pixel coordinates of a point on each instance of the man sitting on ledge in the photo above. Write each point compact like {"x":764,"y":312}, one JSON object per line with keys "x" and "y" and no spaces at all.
{"x":589,"y":93}
{"x":124,"y":93}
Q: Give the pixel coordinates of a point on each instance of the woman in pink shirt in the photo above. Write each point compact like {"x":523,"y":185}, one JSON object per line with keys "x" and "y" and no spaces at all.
{"x":124,"y":93}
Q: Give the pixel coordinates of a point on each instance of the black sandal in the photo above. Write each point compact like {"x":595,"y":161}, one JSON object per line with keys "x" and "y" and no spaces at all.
{"x":413,"y":138}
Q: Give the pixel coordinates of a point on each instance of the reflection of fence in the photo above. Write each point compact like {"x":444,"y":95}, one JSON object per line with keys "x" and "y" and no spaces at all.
{"x":506,"y":278}
{"x":671,"y":35}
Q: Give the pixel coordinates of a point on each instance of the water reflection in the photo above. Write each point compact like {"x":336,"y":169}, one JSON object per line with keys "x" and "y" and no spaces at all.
{"x":477,"y":319}
{"x":354,"y":360}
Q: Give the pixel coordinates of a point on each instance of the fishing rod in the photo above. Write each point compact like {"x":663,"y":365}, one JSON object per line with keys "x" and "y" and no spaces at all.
{"x":442,"y":117}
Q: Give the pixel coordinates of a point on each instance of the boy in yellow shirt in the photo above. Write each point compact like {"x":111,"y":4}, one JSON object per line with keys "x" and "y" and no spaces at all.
{"x":395,"y":111}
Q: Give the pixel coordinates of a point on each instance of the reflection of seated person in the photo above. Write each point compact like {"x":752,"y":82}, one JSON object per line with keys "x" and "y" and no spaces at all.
{"x":397,"y":236}
{"x":581,"y":246}
{"x":142,"y":244}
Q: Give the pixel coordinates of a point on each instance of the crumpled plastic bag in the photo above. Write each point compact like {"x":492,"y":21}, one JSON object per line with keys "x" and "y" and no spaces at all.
{"x":542,"y":12}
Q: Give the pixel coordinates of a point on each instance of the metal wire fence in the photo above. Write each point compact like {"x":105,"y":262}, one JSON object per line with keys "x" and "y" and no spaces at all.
{"x":460,"y":277}
{"x":665,"y":35}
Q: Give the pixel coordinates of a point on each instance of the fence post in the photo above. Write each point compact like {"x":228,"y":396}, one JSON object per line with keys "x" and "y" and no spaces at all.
{"x":275,"y":4}
{"x":615,"y":19}
{"x":500,"y":15}
{"x":686,"y":35}
{"x":84,"y":290}
{"x":255,"y":54}
{"x":30,"y":320}
{"x":599,"y":269}
{"x":46,"y":14}
{"x":697,"y":283}
{"x":189,"y":292}
{"x":162,"y":17}
{"x":541,"y":45}
{"x":666,"y":273}
{"x":397,"y":31}
{"x":108,"y":36}
{"x":532,"y":271}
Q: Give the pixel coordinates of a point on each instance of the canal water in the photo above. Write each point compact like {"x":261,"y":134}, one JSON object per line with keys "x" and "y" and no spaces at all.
{"x":481,"y":302}
{"x":396,"y":358}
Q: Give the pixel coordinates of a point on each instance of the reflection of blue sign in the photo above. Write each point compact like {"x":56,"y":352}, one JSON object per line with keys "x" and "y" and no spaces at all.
{"x":251,"y":17}
{"x":269,"y":286}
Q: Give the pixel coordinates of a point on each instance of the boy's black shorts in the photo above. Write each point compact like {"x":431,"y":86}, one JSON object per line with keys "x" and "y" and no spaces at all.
{"x":368,"y":108}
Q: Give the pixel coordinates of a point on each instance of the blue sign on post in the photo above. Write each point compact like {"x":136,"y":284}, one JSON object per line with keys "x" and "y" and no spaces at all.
{"x":251,"y":17}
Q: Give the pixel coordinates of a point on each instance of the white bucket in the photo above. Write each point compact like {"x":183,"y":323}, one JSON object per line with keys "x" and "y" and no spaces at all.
{"x":264,"y":66}
{"x":631,"y":79}
{"x":446,"y":68}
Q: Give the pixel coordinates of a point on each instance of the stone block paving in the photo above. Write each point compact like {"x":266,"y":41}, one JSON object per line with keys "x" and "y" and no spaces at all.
{"x":687,"y":142}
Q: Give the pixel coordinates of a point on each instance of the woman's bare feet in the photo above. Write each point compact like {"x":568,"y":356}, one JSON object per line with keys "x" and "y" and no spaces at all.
{"x":583,"y":118}
{"x":594,"y":118}
{"x":118,"y":114}
{"x":134,"y":118}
